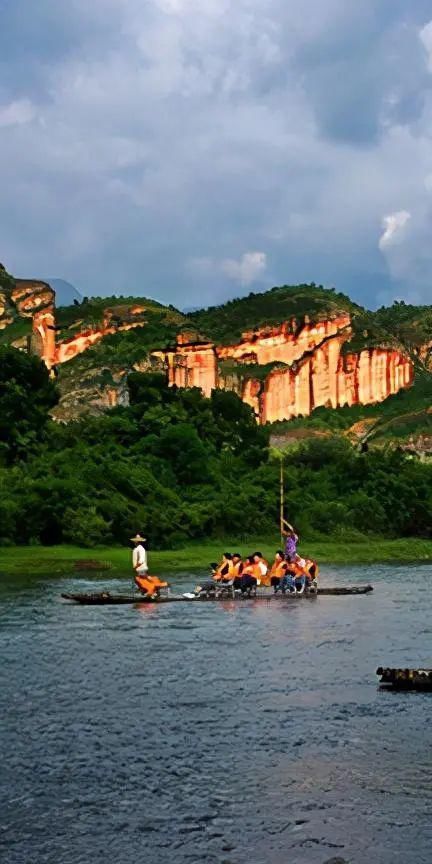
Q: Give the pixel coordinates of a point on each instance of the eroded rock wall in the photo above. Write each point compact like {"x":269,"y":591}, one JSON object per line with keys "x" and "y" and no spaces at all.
{"x":192,"y":365}
{"x":67,"y":349}
{"x":331,"y":379}
{"x":286,"y":343}
{"x":315,"y":372}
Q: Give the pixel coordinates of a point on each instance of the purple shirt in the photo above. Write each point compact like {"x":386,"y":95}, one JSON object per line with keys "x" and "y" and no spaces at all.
{"x":291,"y":545}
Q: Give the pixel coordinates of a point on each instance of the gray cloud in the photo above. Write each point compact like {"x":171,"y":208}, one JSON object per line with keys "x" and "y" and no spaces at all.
{"x":136,"y":138}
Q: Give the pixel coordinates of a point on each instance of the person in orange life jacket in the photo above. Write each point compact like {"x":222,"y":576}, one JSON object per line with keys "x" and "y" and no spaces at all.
{"x":312,"y":570}
{"x":262,"y":567}
{"x":297,"y":577}
{"x":237,"y":570}
{"x":250,"y":575}
{"x":223,"y":572}
{"x":278,"y":570}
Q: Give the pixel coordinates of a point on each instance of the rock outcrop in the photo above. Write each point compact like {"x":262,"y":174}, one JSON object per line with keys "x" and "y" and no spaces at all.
{"x":31,"y":296}
{"x":192,"y":364}
{"x":34,"y":300}
{"x":310,"y":369}
{"x":67,"y":349}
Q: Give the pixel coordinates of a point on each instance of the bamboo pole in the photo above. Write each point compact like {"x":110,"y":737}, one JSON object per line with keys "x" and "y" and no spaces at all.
{"x":281,"y":501}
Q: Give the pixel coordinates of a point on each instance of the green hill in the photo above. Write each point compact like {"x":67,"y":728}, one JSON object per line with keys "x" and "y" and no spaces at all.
{"x":226,"y":323}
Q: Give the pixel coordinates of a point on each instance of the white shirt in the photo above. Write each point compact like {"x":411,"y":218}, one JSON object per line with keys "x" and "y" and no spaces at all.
{"x":263,"y":567}
{"x":139,"y":557}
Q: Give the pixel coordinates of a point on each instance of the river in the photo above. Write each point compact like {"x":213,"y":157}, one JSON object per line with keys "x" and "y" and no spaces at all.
{"x":217,"y":733}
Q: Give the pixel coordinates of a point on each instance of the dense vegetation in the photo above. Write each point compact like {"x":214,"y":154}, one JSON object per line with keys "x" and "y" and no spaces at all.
{"x":162,"y":322}
{"x":225,"y":324}
{"x":180,"y":467}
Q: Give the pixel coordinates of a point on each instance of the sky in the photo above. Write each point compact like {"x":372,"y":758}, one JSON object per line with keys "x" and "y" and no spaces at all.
{"x":197,"y":150}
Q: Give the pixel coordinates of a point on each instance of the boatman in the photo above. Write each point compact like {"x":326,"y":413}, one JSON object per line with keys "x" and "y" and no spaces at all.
{"x":139,"y":556}
{"x":148,"y":585}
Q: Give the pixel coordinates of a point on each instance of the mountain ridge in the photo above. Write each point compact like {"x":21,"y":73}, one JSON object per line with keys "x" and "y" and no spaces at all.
{"x":289,"y":351}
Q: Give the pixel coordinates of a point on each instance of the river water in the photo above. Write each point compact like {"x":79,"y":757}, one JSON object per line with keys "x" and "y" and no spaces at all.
{"x":225,"y":733}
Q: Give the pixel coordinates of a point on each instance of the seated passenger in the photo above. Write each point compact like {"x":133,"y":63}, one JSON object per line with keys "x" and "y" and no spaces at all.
{"x":250,"y":574}
{"x":262,"y":568}
{"x":222,"y":577}
{"x":278,"y":571}
{"x":223,"y":571}
{"x":237,"y":570}
{"x":300,"y":575}
{"x":312,"y":572}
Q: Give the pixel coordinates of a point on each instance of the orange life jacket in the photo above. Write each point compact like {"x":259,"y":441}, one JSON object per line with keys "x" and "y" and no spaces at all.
{"x":223,"y":572}
{"x":149,"y":584}
{"x":267,"y":577}
{"x":311,"y":566}
{"x":237,"y":569}
{"x":279,"y":568}
{"x":251,"y":570}
{"x":306,"y":569}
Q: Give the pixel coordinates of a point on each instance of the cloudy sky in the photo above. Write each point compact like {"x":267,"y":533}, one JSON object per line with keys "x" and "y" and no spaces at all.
{"x":193,"y":150}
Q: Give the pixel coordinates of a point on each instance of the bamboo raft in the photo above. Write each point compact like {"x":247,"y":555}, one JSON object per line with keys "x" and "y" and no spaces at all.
{"x":405,"y":679}
{"x":104,"y":598}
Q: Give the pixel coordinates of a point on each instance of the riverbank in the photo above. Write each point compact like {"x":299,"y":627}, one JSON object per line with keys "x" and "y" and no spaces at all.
{"x":55,"y":560}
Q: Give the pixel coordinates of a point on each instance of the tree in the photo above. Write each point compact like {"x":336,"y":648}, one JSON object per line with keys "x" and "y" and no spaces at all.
{"x":182,"y":447}
{"x":26,"y":396}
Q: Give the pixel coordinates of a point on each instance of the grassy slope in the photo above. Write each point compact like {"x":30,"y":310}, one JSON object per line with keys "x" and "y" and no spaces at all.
{"x":57,"y":560}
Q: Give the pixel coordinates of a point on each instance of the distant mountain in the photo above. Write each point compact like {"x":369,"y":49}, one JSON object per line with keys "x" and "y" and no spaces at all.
{"x":66,"y":293}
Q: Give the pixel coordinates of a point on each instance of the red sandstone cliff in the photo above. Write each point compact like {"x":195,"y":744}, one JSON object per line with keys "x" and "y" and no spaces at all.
{"x":311,"y":367}
{"x":35,"y":300}
{"x":314,"y":371}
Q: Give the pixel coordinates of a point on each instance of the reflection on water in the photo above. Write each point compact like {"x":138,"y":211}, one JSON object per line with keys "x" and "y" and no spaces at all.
{"x":215,"y":733}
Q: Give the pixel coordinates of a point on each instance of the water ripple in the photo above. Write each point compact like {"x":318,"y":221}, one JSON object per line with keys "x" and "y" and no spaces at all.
{"x":214,"y":733}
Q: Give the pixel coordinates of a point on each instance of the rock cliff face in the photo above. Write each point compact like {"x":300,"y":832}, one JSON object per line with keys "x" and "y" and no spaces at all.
{"x":22,"y":297}
{"x":192,"y":365}
{"x":35,"y":300}
{"x":67,"y":349}
{"x":31,"y":296}
{"x":330,"y":379}
{"x":281,"y":371}
{"x":313,"y":369}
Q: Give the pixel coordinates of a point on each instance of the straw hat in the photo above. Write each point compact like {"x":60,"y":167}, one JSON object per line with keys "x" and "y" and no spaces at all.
{"x":138,"y":539}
